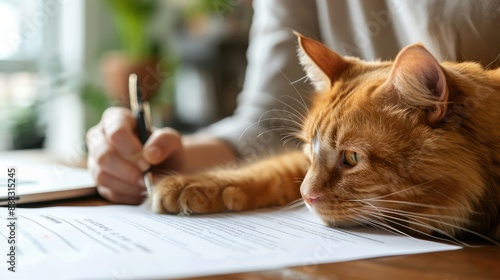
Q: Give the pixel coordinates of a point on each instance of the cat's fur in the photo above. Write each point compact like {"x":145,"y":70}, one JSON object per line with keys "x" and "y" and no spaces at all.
{"x":427,"y":136}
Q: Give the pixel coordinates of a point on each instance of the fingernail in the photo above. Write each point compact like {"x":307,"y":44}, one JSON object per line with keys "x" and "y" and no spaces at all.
{"x":153,"y":152}
{"x":143,"y":165}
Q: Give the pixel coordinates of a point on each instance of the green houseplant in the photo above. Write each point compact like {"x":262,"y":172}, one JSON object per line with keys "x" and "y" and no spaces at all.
{"x":137,"y":51}
{"x":132,"y":20}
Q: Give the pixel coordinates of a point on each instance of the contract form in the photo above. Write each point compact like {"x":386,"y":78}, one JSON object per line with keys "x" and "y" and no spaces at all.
{"x":130,"y":242}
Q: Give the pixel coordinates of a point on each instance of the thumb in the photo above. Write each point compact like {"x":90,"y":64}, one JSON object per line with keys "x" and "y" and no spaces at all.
{"x":161,"y":145}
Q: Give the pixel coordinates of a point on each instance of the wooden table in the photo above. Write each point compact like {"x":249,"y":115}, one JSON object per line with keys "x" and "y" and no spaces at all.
{"x":468,"y":263}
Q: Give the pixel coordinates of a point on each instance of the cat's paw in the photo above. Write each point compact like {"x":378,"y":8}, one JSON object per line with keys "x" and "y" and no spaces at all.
{"x":203,"y":193}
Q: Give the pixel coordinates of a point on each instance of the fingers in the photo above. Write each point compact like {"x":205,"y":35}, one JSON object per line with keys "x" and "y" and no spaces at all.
{"x":164,"y":144}
{"x":117,"y":159}
{"x":116,"y":189}
{"x":119,"y":198}
{"x":112,"y":164}
{"x":118,"y":126}
{"x":114,"y":157}
{"x":103,"y":157}
{"x":118,"y":186}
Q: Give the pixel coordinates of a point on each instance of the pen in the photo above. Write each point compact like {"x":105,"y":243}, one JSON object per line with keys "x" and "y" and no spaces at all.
{"x":142,"y":113}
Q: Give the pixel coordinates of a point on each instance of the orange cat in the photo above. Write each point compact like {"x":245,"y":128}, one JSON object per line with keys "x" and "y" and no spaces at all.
{"x":409,"y":145}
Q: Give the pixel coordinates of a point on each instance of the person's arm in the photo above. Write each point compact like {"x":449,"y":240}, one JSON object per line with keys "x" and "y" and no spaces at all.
{"x":117,"y":160}
{"x":270,"y":106}
{"x":167,"y":150}
{"x":204,"y":151}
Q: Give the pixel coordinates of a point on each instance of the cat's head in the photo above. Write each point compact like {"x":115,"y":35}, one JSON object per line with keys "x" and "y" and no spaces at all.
{"x":378,"y":144}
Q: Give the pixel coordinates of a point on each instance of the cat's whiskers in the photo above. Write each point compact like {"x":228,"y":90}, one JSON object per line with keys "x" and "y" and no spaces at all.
{"x":380,"y":225}
{"x":493,"y":61}
{"x":377,"y":199}
{"x":417,"y":158}
{"x":294,"y":133}
{"x":422,"y":205}
{"x":403,"y":190}
{"x":291,"y":137}
{"x":294,"y":204}
{"x":304,"y":78}
{"x":299,"y":117}
{"x":377,"y":212}
{"x":463,"y":207}
{"x":285,"y":128}
{"x":295,"y":130}
{"x":383,"y":212}
{"x":281,"y":119}
{"x":411,"y":204}
{"x":421,"y":215}
{"x":295,"y":88}
{"x":300,"y":102}
{"x":298,"y":144}
{"x":402,"y":222}
{"x":289,"y":133}
{"x":455,"y":201}
{"x":291,"y":107}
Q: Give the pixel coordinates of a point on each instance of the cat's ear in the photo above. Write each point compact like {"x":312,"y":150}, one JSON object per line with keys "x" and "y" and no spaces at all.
{"x":322,"y":65}
{"x":420,"y":81}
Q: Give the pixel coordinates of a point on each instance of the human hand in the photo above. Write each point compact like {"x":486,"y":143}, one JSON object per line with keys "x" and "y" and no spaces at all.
{"x":117,"y":159}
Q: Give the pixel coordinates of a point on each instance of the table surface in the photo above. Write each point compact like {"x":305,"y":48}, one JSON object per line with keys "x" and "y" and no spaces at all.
{"x":479,"y":262}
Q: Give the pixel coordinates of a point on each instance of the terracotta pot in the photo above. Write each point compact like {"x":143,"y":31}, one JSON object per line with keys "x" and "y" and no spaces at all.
{"x":116,"y":68}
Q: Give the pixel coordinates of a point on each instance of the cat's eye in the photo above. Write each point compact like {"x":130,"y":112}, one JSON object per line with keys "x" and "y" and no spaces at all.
{"x":351,"y":158}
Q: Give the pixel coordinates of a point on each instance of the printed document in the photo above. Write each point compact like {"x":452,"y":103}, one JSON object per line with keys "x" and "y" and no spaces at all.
{"x":130,"y":242}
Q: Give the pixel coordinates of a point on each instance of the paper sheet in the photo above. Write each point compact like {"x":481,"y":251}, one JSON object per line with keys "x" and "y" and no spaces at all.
{"x":130,"y":242}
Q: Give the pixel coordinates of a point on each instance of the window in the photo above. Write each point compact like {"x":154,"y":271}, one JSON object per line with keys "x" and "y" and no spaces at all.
{"x":21,"y":33}
{"x":22,"y":29}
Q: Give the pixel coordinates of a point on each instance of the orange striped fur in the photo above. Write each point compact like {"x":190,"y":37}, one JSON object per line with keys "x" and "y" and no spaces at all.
{"x":424,"y":138}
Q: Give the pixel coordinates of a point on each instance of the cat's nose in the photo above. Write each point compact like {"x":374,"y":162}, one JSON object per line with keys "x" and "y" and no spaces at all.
{"x":311,"y":198}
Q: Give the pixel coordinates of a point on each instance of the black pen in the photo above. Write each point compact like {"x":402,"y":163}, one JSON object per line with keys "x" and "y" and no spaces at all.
{"x":142,"y":113}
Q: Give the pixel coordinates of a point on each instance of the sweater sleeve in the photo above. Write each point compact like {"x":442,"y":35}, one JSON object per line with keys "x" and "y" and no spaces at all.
{"x":275,"y":94}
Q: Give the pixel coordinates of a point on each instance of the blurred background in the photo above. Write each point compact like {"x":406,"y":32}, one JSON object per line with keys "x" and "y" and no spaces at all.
{"x":62,"y":62}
